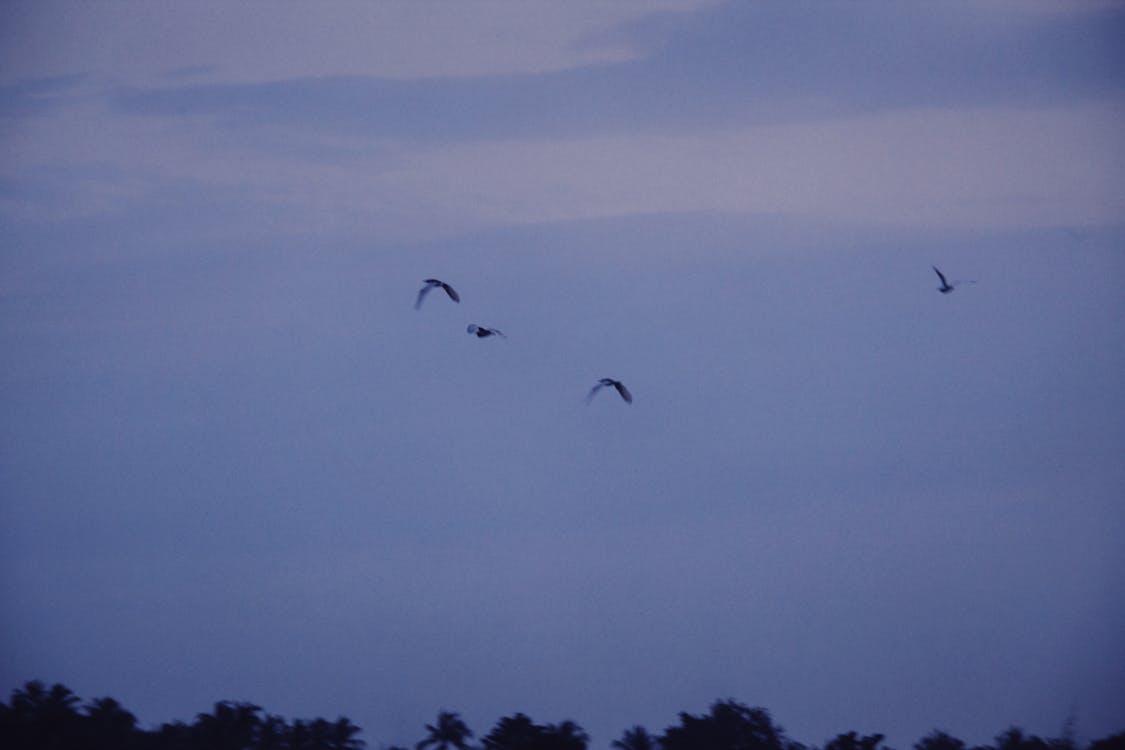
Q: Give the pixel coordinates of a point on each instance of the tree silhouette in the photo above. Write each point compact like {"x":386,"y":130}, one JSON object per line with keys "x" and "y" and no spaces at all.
{"x":38,"y":704}
{"x":40,"y":718}
{"x":729,"y":726}
{"x":108,"y":723}
{"x":300,"y":736}
{"x":1013,"y":738}
{"x":520,"y":733}
{"x":565,"y":735}
{"x":1113,"y":742}
{"x":273,"y":733}
{"x":342,"y":735}
{"x":449,"y":731}
{"x":513,"y":733}
{"x":241,"y":725}
{"x":231,"y":726}
{"x":636,"y":738}
{"x":851,"y":741}
{"x":173,"y":736}
{"x":938,"y":740}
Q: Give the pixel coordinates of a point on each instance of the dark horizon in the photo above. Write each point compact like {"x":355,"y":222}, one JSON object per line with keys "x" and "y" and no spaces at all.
{"x":36,"y":717}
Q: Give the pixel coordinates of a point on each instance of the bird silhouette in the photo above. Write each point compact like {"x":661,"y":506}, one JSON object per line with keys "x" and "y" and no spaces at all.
{"x":621,"y":389}
{"x":483,"y":333}
{"x":433,"y":284}
{"x":946,"y":287}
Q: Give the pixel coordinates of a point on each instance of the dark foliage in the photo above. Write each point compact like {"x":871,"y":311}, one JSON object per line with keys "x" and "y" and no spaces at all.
{"x":1113,"y":742}
{"x":852,"y":741}
{"x":448,"y":732}
{"x":729,"y":726}
{"x":636,"y":738}
{"x":521,"y":733}
{"x":938,"y":740}
{"x":38,"y":718}
{"x":42,"y":718}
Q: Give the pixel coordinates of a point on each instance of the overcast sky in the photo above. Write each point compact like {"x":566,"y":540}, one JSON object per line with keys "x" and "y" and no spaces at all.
{"x":236,"y":463}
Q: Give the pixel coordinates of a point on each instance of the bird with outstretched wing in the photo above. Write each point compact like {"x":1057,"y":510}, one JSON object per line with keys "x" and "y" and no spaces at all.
{"x":947,"y":287}
{"x":435,"y":284}
{"x":617,"y":384}
{"x":482,"y":333}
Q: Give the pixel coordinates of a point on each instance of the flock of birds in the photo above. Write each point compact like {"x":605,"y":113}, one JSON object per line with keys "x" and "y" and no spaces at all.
{"x":483,"y":332}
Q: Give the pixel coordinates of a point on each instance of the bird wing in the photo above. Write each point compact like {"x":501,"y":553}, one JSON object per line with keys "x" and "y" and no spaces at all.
{"x":451,"y":292}
{"x":472,"y":328}
{"x":593,"y":390}
{"x":421,"y":296}
{"x":940,"y":276}
{"x":623,"y":391}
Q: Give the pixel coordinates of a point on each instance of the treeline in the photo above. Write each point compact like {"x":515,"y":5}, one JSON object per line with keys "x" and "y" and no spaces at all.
{"x":42,"y":718}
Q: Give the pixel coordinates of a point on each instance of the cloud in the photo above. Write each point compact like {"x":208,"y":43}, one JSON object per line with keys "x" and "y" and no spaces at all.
{"x":929,"y":166}
{"x":244,"y":43}
{"x":966,"y":167}
{"x":732,"y":65}
{"x":973,"y":116}
{"x":893,"y":55}
{"x":35,"y":96}
{"x":969,"y":167}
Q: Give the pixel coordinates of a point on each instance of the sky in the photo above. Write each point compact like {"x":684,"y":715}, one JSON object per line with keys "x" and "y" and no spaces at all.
{"x":237,"y":464}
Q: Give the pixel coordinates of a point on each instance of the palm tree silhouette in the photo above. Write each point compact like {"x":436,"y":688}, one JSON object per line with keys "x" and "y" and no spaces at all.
{"x":636,"y":738}
{"x":567,"y":736}
{"x":229,"y":725}
{"x":449,"y":731}
{"x":107,"y":719}
{"x":342,"y":735}
{"x":512,"y":732}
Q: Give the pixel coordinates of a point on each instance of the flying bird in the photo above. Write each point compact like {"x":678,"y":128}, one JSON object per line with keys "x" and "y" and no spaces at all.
{"x":946,"y":287}
{"x":621,"y":389}
{"x":433,"y":284}
{"x":483,"y":333}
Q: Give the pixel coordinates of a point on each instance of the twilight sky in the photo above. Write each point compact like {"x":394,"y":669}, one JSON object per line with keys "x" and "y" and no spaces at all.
{"x":235,"y":463}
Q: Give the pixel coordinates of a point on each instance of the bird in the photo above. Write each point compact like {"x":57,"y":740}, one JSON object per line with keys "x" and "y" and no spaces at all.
{"x":621,"y":389}
{"x":483,"y":333}
{"x":432,"y":284}
{"x":946,"y":287}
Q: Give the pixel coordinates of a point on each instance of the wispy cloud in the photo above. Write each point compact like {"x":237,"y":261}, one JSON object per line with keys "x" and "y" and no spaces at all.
{"x":988,"y":166}
{"x":973,"y":115}
{"x":733,"y":65}
{"x":253,"y":42}
{"x":35,"y":96}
